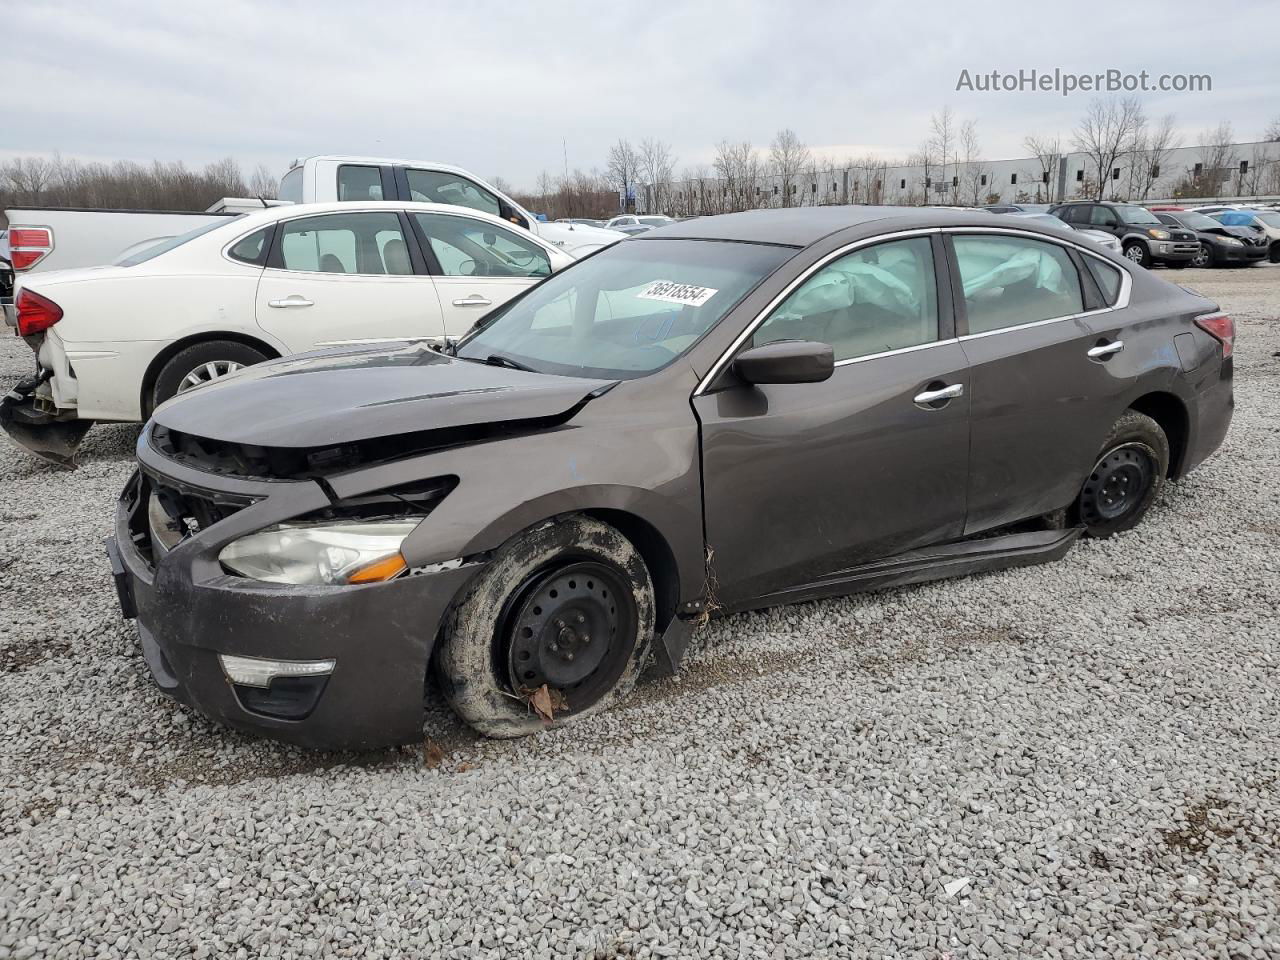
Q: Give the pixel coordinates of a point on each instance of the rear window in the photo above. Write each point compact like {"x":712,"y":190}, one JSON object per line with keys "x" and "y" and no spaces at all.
{"x":164,"y":246}
{"x":291,"y":186}
{"x":1108,"y":278}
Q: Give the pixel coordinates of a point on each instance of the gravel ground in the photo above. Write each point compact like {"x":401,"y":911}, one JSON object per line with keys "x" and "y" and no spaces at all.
{"x":1077,"y":760}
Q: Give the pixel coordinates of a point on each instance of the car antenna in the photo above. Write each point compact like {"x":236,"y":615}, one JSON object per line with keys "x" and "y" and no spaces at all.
{"x":263,"y":200}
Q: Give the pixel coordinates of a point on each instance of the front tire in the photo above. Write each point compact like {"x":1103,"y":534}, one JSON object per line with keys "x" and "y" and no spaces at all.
{"x":568,"y":604}
{"x":1126,"y":479}
{"x":199,"y":364}
{"x":1137,"y":253}
{"x":1273,"y":253}
{"x":1204,"y":258}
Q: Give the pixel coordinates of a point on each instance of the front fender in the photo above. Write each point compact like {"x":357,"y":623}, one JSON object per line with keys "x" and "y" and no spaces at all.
{"x":506,"y":486}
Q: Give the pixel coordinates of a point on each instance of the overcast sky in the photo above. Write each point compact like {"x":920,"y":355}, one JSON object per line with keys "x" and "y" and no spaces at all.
{"x":499,"y":87}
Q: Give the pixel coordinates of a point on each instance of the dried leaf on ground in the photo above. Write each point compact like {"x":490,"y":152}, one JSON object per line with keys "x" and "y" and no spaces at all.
{"x":432,"y":754}
{"x":545,"y":702}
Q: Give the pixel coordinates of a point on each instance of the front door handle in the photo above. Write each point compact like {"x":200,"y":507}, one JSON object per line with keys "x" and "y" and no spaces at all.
{"x":475,"y":300}
{"x":1104,"y":350}
{"x":294,"y":301}
{"x":929,"y":397}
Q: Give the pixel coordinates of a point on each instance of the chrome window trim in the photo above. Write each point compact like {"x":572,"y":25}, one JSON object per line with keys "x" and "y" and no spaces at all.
{"x":1122,"y":298}
{"x":786,"y":291}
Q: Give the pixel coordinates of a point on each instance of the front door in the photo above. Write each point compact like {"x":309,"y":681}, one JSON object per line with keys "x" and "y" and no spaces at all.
{"x":802,"y":480}
{"x":479,"y":266}
{"x":342,"y":278}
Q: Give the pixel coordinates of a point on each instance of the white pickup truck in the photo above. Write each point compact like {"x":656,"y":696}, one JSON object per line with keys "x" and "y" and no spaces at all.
{"x":62,"y":238}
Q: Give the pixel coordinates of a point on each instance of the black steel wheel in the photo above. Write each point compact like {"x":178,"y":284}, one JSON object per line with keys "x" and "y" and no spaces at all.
{"x":572,"y":631}
{"x":568,"y":604}
{"x":1126,"y":478}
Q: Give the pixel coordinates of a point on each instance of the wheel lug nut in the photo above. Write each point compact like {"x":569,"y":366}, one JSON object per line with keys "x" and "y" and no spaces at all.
{"x":554,"y":647}
{"x":581,"y":618}
{"x":560,"y":624}
{"x":568,"y":656}
{"x":585,"y":638}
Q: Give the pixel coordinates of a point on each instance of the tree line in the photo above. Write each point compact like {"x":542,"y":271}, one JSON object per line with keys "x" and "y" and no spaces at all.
{"x":126,"y":184}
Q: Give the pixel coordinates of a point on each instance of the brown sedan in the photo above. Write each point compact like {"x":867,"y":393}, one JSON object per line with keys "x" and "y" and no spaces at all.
{"x":727,"y":413}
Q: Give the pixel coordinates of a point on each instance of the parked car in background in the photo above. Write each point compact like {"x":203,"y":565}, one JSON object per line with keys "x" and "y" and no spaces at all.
{"x":1265,"y":223}
{"x":538,"y":511}
{"x":1219,"y":244}
{"x":114,"y":342}
{"x":1017,"y":207}
{"x":1218,"y":207}
{"x":342,"y":178}
{"x":633,"y":224}
{"x":1054,"y":223}
{"x":1143,"y":238}
{"x":42,"y":239}
{"x":6,"y":268}
{"x":584,"y":222}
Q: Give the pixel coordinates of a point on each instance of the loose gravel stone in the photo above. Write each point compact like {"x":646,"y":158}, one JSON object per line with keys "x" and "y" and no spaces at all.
{"x":1094,"y":745}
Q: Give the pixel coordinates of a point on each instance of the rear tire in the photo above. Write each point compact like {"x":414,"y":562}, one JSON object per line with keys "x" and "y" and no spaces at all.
{"x":1273,"y":253}
{"x":202,"y":362}
{"x":1137,"y":252}
{"x":568,"y":604}
{"x":1126,"y":479}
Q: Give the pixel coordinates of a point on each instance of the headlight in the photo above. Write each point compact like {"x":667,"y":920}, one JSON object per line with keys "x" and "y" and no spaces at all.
{"x":335,"y":553}
{"x":1159,"y":234}
{"x":1232,"y":242}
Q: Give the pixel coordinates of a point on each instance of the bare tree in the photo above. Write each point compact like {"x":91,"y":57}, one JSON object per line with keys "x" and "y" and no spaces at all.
{"x":788,"y":157}
{"x":926,"y":158}
{"x":1048,"y":154}
{"x":263,"y":183}
{"x":1153,"y":160}
{"x":1272,"y":133}
{"x":1104,"y":131}
{"x":160,"y":186}
{"x":738,"y":167}
{"x":655,"y":166}
{"x":622,"y":168}
{"x":942,"y":134}
{"x":976,"y":175}
{"x":1217,"y":157}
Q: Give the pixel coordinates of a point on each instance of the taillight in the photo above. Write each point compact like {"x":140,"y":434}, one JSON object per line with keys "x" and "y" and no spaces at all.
{"x":35,"y":313}
{"x":1222,"y":328}
{"x":29,"y":245}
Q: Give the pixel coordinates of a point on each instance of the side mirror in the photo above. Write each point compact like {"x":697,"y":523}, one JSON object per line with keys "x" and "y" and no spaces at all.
{"x":1111,"y":223}
{"x":787,"y":361}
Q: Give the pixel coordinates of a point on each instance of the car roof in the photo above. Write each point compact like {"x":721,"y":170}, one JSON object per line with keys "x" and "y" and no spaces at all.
{"x":802,"y":226}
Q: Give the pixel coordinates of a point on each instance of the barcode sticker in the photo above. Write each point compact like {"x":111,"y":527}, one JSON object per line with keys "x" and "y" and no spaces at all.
{"x":682,"y":293}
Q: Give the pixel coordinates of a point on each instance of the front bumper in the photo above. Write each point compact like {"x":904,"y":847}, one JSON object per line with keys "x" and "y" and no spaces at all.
{"x":189,"y":610}
{"x":1174,"y":251}
{"x":1245,"y":254}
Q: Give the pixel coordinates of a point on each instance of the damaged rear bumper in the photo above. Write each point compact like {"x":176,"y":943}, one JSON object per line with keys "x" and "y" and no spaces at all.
{"x":379,"y":637}
{"x":29,"y":418}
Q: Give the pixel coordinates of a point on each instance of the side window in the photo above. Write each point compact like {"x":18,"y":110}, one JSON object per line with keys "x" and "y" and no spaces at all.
{"x":430,"y":186}
{"x":1102,"y":217}
{"x":359,"y":183}
{"x":872,"y":300}
{"x":251,"y":249}
{"x":1014,"y":280}
{"x":1108,"y":278}
{"x":472,"y":248}
{"x":1076,"y":213}
{"x":1167,"y":220}
{"x":363,"y":243}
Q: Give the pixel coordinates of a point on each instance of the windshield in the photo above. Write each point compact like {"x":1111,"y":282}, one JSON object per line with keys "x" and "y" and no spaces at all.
{"x":1197,"y":221}
{"x":1137,"y":215}
{"x":1049,"y":220}
{"x":627,"y":311}
{"x":164,"y":246}
{"x":656,"y":221}
{"x":1270,"y":219}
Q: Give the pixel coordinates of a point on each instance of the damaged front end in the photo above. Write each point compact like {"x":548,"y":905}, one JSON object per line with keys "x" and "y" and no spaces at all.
{"x":32,"y":421}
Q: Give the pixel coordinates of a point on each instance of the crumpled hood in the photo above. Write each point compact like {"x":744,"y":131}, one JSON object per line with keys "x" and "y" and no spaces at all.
{"x":359,"y":393}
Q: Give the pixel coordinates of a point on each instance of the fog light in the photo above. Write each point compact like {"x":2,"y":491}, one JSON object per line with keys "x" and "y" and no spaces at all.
{"x":257,"y":672}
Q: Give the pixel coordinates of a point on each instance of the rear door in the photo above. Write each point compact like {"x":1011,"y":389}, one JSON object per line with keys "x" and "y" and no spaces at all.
{"x":1040,"y":403}
{"x":346,"y":277}
{"x":803,"y":480}
{"x":478,"y":266}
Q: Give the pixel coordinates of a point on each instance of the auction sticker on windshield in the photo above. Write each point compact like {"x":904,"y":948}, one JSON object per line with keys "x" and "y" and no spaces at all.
{"x":682,"y":293}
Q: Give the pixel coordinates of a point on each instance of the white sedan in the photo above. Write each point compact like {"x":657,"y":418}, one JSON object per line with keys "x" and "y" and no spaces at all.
{"x":114,"y":342}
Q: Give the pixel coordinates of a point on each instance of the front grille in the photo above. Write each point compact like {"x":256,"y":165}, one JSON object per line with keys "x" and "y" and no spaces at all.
{"x":162,"y":513}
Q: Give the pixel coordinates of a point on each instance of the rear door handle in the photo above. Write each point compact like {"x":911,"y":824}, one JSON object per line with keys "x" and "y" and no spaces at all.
{"x":475,"y":300}
{"x":1104,"y":350}
{"x":294,"y":301}
{"x":942,"y":393}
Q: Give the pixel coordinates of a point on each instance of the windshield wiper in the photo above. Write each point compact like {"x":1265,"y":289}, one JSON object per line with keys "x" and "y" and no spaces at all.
{"x":498,"y":360}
